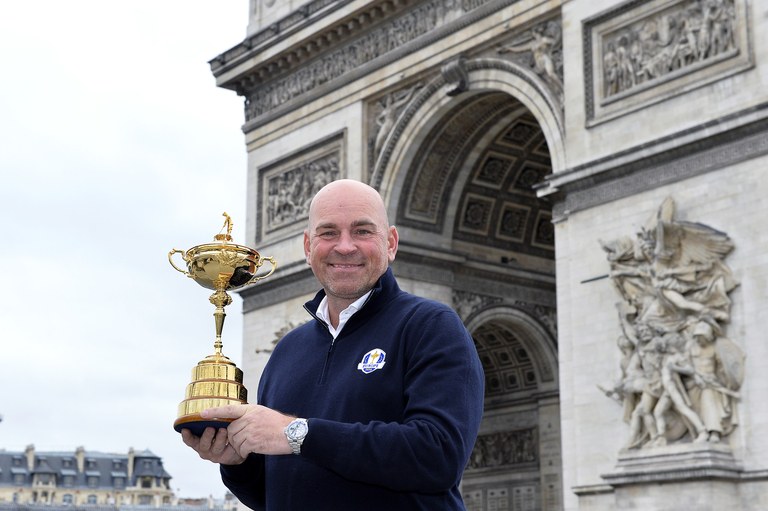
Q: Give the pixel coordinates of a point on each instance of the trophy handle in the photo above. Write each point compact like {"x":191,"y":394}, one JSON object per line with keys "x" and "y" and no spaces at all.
{"x":259,"y":277}
{"x":170,"y":260}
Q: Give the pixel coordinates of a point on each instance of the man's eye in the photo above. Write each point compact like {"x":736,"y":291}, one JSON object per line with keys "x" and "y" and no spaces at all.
{"x":327,"y":234}
{"x":363,"y":232}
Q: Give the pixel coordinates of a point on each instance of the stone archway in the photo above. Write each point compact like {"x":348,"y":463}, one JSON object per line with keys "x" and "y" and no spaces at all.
{"x":516,"y":460}
{"x":432,"y":103}
{"x":459,"y":175}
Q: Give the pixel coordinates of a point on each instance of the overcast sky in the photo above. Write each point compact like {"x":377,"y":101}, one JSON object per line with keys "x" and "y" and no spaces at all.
{"x":115,"y":147}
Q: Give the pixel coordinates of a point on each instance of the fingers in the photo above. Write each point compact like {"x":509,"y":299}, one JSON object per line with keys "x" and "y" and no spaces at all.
{"x":213,"y":445}
{"x":209,"y":445}
{"x":190,"y":439}
{"x":260,"y":430}
{"x":225,"y":412}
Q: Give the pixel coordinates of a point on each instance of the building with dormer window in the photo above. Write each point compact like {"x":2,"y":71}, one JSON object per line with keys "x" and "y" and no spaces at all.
{"x":84,"y":478}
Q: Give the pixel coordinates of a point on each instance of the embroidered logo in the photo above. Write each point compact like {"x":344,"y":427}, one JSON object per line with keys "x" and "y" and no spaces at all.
{"x":372,"y":360}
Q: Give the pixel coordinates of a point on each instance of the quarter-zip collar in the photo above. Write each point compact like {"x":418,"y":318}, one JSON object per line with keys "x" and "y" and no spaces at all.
{"x":384,"y":289}
{"x":324,"y":315}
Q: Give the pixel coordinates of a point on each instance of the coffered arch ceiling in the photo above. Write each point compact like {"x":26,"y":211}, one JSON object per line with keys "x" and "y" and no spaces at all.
{"x":474,"y":180}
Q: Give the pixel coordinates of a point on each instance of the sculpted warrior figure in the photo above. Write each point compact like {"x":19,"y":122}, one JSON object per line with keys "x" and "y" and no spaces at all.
{"x":679,"y":375}
{"x":719,"y":371}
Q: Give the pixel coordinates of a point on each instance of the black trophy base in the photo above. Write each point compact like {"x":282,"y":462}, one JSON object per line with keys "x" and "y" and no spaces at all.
{"x":197,"y":425}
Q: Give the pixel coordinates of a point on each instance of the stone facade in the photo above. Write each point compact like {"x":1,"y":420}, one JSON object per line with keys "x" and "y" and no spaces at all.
{"x":525,"y":150}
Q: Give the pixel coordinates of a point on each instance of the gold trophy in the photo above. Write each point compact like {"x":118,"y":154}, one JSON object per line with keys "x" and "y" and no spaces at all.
{"x":216,"y":381}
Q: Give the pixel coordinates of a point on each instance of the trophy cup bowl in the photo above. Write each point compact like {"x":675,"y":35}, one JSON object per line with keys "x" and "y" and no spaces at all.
{"x":216,"y":381}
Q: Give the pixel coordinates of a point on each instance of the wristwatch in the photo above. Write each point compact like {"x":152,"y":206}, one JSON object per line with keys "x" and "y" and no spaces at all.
{"x":295,"y":433}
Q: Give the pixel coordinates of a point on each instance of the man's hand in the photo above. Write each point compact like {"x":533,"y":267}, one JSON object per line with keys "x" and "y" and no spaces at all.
{"x":213,"y":446}
{"x":256,"y":429}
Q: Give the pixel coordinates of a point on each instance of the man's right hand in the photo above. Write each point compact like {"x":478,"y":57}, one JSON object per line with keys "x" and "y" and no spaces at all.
{"x":212,"y":445}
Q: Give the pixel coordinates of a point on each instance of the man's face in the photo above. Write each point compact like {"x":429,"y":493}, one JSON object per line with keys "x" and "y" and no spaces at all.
{"x":348,"y":243}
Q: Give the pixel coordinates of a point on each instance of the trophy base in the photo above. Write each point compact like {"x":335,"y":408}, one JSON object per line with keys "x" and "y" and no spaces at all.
{"x":197,"y":424}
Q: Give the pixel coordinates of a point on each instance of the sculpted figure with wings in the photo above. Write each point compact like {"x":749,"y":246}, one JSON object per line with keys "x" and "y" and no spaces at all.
{"x":674,"y":286}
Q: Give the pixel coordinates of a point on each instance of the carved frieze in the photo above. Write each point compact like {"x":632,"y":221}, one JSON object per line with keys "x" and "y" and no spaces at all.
{"x":287,"y":186}
{"x":382,"y":33}
{"x":680,"y":373}
{"x":372,"y":44}
{"x":505,"y":449}
{"x":647,"y":50}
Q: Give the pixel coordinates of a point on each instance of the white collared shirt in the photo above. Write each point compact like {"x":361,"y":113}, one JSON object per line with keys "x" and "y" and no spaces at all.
{"x":322,"y":313}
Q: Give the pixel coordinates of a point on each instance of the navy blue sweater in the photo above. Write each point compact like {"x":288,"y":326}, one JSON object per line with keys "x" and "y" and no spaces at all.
{"x":394,"y":406}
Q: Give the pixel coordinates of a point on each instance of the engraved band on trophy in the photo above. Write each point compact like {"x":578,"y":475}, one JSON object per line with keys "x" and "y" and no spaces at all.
{"x":216,"y":381}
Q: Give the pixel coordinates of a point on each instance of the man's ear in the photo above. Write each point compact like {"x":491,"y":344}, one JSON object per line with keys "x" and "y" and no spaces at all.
{"x":306,"y":246}
{"x":392,"y":241}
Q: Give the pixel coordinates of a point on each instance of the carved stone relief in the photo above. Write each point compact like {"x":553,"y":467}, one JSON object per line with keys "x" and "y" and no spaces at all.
{"x":666,"y":41}
{"x":504,"y":449}
{"x":680,"y":373}
{"x":348,"y":47}
{"x":635,"y":52}
{"x":287,"y":187}
{"x":371,"y":45}
{"x":468,"y":304}
{"x":542,"y":47}
{"x":383,"y":113}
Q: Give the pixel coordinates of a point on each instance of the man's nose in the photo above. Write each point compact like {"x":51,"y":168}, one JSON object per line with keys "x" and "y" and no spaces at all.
{"x":346,"y":244}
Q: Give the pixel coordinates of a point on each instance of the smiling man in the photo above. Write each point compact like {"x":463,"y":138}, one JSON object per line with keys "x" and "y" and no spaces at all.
{"x":374,"y":405}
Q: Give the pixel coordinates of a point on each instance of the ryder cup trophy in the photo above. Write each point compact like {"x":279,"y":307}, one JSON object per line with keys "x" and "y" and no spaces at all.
{"x":216,"y":381}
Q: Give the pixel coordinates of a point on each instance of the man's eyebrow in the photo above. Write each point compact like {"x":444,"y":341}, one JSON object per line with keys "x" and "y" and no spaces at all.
{"x":363,"y":222}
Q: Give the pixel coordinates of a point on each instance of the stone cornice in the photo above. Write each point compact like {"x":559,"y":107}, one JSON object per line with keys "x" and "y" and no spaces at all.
{"x":274,"y":33}
{"x":320,"y":42}
{"x":344,"y":51}
{"x":706,"y":147}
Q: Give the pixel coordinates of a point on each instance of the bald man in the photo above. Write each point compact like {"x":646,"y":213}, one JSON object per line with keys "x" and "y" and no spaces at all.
{"x":373,"y":405}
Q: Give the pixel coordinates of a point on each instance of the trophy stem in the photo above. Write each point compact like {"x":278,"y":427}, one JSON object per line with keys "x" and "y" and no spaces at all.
{"x":220,"y":299}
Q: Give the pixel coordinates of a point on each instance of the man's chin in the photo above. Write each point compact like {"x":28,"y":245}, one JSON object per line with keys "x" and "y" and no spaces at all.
{"x":348,"y":292}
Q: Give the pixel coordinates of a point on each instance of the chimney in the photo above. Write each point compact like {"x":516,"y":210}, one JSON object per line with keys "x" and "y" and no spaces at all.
{"x":131,"y":457}
{"x":30,"y":453}
{"x":80,"y":457}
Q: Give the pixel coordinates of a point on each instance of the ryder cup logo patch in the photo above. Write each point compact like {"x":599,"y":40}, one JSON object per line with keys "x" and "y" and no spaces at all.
{"x":372,"y":360}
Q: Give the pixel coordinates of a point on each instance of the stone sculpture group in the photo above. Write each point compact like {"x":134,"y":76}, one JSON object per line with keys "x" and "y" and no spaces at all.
{"x":680,"y":374}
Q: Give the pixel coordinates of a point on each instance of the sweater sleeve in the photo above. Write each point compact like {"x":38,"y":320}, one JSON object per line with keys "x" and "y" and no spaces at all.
{"x":246,"y":481}
{"x":428,"y":449}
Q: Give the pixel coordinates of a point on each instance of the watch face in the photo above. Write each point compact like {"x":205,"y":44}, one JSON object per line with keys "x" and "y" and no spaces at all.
{"x":297,"y":429}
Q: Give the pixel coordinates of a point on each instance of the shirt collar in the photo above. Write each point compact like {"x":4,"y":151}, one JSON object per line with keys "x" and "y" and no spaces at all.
{"x":322,"y":312}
